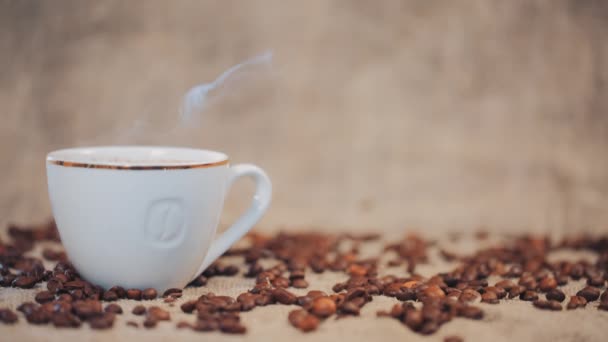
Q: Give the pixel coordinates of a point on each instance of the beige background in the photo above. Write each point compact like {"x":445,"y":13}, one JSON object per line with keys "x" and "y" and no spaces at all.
{"x":429,"y":114}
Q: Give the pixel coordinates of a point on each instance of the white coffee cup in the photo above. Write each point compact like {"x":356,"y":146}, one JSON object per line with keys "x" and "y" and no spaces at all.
{"x":146,"y":217}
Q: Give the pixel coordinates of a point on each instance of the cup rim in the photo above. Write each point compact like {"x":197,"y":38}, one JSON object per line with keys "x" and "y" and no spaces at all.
{"x":82,"y":157}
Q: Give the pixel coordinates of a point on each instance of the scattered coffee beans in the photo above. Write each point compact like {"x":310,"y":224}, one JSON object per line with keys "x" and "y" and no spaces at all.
{"x":521,"y":265}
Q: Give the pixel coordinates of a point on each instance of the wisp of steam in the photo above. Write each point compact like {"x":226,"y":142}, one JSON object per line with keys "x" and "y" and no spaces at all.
{"x":197,"y":98}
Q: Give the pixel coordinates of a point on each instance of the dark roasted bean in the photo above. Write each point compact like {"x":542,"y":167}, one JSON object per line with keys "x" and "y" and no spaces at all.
{"x":7,"y":316}
{"x":590,"y":293}
{"x":149,"y":294}
{"x":323,"y":307}
{"x":576,"y":302}
{"x":283,"y":296}
{"x":556,"y":295}
{"x":113,"y":308}
{"x":139,"y":310}
{"x":134,"y":294}
{"x":44,"y":297}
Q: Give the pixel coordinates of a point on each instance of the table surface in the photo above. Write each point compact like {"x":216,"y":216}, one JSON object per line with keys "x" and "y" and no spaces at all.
{"x":511,"y":320}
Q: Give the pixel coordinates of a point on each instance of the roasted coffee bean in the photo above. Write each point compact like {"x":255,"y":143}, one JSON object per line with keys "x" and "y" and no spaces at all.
{"x":44,"y":297}
{"x":577,"y":271}
{"x":547,"y":284}
{"x":134,"y":294}
{"x":303,"y":321}
{"x":283,"y":296}
{"x":132,"y":324}
{"x":24,"y":282}
{"x":499,"y":291}
{"x":77,"y":294}
{"x":149,"y":294}
{"x":576,"y":302}
{"x":104,"y":321}
{"x":54,"y":285}
{"x":232,"y":326}
{"x":323,"y":307}
{"x":184,"y":325}
{"x":7,"y":316}
{"x":110,"y":296}
{"x":205,"y":325}
{"x":120,"y":292}
{"x":199,"y":281}
{"x":139,"y":310}
{"x":431,"y":292}
{"x":172,"y":291}
{"x":596,"y":279}
{"x":38,"y":316}
{"x":150,"y":323}
{"x":529,"y":296}
{"x":604,"y":297}
{"x":349,"y":308}
{"x":299,"y":283}
{"x":453,"y":339}
{"x":188,"y":306}
{"x":469,"y":295}
{"x":296,"y":274}
{"x":86,"y":309}
{"x":489,"y":297}
{"x":64,"y":297}
{"x":65,"y":320}
{"x":505,"y":284}
{"x":556,"y":295}
{"x":547,"y":305}
{"x":74,"y":284}
{"x":590,"y":293}
{"x":158,"y":314}
{"x":516,"y":291}
{"x":471,"y":312}
{"x":280,"y":282}
{"x":603,"y":306}
{"x":113,"y":308}
{"x":528,"y":282}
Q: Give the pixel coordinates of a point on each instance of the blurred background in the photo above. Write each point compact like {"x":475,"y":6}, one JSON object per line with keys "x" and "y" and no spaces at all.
{"x":435,"y":115}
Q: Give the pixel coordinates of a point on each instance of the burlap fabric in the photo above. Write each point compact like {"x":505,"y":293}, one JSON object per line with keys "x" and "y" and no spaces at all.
{"x":512,"y":320}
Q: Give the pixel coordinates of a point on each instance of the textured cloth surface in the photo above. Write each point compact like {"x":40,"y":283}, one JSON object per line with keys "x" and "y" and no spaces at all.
{"x":511,"y":320}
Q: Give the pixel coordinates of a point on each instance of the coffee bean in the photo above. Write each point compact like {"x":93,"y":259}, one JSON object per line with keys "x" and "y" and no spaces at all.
{"x":150,"y":323}
{"x":24,"y":282}
{"x":232,"y":327}
{"x":74,"y":284}
{"x":576,"y":302}
{"x":471,"y":312}
{"x":86,"y":309}
{"x":603,"y":306}
{"x":206,"y":325}
{"x":556,"y":295}
{"x":64,"y":297}
{"x":134,"y":294}
{"x":430,"y":292}
{"x":547,"y":305}
{"x":283,"y":296}
{"x":44,"y":297}
{"x":528,"y":282}
{"x":158,"y":314}
{"x":149,"y":294}
{"x":184,"y":325}
{"x":120,"y":292}
{"x":516,"y":291}
{"x":280,"y":282}
{"x":113,"y":308}
{"x":38,"y":316}
{"x":139,"y":310}
{"x":110,"y":296}
{"x":65,"y":320}
{"x":303,"y":321}
{"x":7,"y":316}
{"x":199,"y":281}
{"x":505,"y":284}
{"x":469,"y":295}
{"x":104,"y":321}
{"x":453,"y":339}
{"x":528,"y":296}
{"x":604,"y":297}
{"x":132,"y":324}
{"x":577,"y":272}
{"x":172,"y":291}
{"x":299,"y":283}
{"x":590,"y":293}
{"x":54,"y":285}
{"x":547,"y":284}
{"x":499,"y":291}
{"x":349,"y":308}
{"x":296,"y":274}
{"x":323,"y":307}
{"x":489,"y":297}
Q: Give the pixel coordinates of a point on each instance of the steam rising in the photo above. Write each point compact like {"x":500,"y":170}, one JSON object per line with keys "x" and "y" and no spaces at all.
{"x":198,"y":98}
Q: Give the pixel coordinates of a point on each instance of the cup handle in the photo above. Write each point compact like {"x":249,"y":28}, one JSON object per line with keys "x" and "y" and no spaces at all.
{"x":261,"y":200}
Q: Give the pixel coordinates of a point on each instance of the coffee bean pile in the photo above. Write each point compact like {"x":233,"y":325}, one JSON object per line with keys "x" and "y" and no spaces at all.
{"x":425,"y":303}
